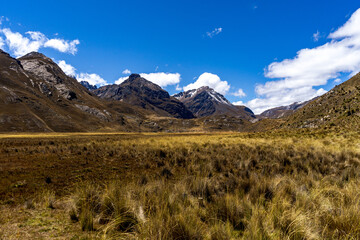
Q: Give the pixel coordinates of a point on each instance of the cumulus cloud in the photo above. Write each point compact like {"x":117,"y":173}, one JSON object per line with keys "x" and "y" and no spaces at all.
{"x":162,"y":79}
{"x":238,"y":103}
{"x":126,"y":71}
{"x":92,"y":78}
{"x":283,"y":98}
{"x":62,"y":45}
{"x":178,"y":88}
{"x":2,"y":43}
{"x":239,"y":93}
{"x":350,"y":28}
{"x":121,"y":79}
{"x":211,"y":80}
{"x":214,"y":32}
{"x":37,"y":36}
{"x":297,"y":77}
{"x":20,"y":45}
{"x":67,"y":68}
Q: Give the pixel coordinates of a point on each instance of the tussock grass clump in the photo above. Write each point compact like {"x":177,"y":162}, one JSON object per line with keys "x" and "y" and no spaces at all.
{"x":96,"y":206}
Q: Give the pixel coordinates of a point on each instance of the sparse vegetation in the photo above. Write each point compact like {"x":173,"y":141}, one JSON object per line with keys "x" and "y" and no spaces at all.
{"x":280,"y":185}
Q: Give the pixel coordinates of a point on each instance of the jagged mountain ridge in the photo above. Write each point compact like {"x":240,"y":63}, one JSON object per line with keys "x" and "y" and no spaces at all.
{"x":140,"y":92}
{"x":36,"y":95}
{"x":205,"y":101}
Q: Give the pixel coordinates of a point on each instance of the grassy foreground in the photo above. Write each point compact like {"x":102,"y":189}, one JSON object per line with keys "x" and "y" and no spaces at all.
{"x":298,"y":185}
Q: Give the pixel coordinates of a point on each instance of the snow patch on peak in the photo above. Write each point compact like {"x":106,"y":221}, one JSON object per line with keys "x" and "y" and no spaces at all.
{"x":217,"y":97}
{"x":194,"y":92}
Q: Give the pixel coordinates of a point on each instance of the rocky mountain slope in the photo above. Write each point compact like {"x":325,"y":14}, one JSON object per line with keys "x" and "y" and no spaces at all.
{"x":36,"y":95}
{"x":338,"y":107}
{"x":205,"y":101}
{"x":140,"y":92}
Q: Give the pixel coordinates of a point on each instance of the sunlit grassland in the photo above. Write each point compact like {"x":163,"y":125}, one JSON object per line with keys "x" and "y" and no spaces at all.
{"x":279,"y":185}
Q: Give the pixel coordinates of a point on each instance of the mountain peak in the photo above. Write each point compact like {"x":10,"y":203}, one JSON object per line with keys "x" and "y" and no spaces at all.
{"x":134,"y":76}
{"x":202,"y":92}
{"x":206,"y":88}
{"x":34,"y":55}
{"x":205,"y":101}
{"x":145,"y":94}
{"x":2,"y":52}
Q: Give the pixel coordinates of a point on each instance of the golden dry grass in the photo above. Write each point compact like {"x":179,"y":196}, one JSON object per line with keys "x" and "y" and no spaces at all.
{"x":280,"y":185}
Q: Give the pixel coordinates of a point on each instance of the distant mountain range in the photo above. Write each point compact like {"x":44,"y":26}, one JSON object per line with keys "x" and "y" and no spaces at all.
{"x":88,"y":85}
{"x":283,"y":111}
{"x":36,"y":95}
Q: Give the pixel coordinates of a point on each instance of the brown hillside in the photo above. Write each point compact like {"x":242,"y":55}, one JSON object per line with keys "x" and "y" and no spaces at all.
{"x":339,"y":107}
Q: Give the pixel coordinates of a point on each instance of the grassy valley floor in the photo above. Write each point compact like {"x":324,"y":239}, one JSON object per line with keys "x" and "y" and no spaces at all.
{"x":279,"y":185}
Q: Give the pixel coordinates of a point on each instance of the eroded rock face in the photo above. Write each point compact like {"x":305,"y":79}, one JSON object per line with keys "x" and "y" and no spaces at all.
{"x":94,"y":111}
{"x":45,"y":69}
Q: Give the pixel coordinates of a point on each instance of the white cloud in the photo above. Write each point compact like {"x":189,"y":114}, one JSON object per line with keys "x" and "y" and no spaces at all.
{"x":126,"y":71}
{"x":211,"y":80}
{"x":92,"y":78}
{"x":338,"y":80}
{"x":63,"y":45}
{"x":178,"y":88}
{"x":239,"y":93}
{"x":283,"y":98}
{"x":2,"y":43}
{"x":37,"y":36}
{"x":313,"y":67}
{"x":67,"y":68}
{"x":20,"y":45}
{"x":162,"y":79}
{"x":350,"y":28}
{"x":214,"y":32}
{"x":238,"y":103}
{"x":316,"y":36}
{"x":120,"y":80}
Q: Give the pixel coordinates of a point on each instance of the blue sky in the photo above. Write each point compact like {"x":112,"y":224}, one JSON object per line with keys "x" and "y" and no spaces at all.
{"x":184,"y":44}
